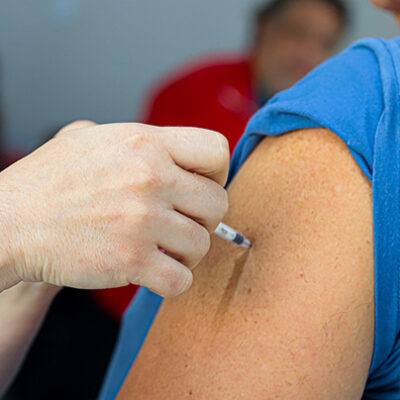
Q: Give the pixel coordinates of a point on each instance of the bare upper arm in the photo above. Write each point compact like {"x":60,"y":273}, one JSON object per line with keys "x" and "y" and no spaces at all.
{"x":293,"y":318}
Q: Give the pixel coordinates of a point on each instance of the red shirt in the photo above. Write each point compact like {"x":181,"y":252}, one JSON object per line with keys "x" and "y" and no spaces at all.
{"x":214,"y":93}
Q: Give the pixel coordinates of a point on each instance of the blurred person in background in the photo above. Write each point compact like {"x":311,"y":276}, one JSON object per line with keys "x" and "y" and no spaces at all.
{"x":223,"y":91}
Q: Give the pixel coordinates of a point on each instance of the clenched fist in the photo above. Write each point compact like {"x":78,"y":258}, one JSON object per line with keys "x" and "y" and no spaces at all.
{"x":93,"y":207}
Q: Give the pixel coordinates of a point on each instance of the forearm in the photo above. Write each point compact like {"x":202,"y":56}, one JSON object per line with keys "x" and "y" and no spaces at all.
{"x":22,"y":310}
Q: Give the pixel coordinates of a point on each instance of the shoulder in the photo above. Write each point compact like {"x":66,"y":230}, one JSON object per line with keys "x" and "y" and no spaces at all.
{"x":347,"y":94}
{"x":351,"y":76}
{"x":305,"y":171}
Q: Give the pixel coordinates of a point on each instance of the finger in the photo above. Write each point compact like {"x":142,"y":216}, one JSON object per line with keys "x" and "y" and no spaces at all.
{"x":165,"y":276}
{"x":76,"y":125}
{"x":199,"y":150}
{"x":182,"y":238}
{"x":200,"y":198}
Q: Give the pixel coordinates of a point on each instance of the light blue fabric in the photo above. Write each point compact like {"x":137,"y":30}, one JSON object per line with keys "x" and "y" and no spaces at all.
{"x":355,"y":95}
{"x":136,"y":323}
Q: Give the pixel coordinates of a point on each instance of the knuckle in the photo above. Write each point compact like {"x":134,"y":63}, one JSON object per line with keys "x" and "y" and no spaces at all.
{"x":226,"y":202}
{"x":204,"y":242}
{"x":217,"y":208}
{"x":222,"y":203}
{"x":137,"y":135}
{"x":201,"y":243}
{"x":136,"y":139}
{"x":172,"y":178}
{"x":199,"y":240}
{"x":132,"y":223}
{"x":152,"y":180}
{"x":135,"y":261}
{"x":176,"y":281}
{"x":147,"y":179}
{"x":134,"y":256}
{"x":148,"y":173}
{"x":141,"y":220}
{"x":222,"y":153}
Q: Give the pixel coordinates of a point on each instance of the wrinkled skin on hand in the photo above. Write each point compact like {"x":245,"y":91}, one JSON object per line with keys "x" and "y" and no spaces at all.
{"x":92,"y":207}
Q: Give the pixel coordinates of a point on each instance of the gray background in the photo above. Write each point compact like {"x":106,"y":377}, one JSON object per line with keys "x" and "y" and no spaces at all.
{"x":68,"y":59}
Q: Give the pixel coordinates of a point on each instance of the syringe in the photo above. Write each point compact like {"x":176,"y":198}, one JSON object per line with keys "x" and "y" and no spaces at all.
{"x":231,"y":235}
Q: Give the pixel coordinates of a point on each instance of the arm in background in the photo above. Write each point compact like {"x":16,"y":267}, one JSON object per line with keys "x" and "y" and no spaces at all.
{"x":22,"y":311}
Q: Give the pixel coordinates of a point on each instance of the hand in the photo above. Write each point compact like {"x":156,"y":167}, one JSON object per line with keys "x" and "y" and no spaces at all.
{"x":91,"y":208}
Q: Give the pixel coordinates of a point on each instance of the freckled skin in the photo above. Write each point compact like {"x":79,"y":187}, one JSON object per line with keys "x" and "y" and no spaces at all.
{"x":293,"y":318}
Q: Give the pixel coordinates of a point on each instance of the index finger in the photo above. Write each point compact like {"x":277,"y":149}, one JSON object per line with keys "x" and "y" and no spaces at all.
{"x":199,"y":150}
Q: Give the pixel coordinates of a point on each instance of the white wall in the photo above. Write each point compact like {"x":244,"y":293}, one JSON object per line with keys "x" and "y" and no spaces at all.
{"x":69,"y":59}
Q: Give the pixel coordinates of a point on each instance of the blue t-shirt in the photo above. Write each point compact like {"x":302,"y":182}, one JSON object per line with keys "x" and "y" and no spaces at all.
{"x":355,"y":95}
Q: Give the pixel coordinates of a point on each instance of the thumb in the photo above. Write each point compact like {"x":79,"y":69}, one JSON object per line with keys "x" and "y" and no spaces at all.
{"x":75,"y":126}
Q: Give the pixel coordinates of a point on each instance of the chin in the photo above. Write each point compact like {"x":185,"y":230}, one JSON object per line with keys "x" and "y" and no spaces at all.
{"x":391,"y":5}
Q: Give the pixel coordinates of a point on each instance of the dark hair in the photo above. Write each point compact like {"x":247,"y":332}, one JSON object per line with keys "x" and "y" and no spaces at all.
{"x":274,"y":7}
